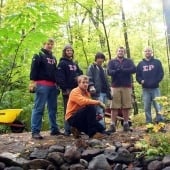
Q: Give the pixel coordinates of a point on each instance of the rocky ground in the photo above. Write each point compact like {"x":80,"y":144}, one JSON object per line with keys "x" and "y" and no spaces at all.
{"x":60,"y":152}
{"x":22,"y":142}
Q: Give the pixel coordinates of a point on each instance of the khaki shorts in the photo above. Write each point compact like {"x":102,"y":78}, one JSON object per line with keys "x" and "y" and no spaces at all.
{"x":122,"y":98}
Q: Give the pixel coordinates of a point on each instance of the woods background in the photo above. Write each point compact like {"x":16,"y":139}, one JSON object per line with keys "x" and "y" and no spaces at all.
{"x":90,"y":26}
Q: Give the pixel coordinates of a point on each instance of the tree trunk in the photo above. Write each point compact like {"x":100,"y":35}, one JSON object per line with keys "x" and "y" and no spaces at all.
{"x":166,"y":12}
{"x":135,"y":106}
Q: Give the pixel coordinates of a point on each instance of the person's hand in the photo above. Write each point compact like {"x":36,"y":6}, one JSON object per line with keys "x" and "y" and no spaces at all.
{"x":92,"y":90}
{"x":118,"y":69}
{"x":32,"y":87}
{"x":101,"y":104}
{"x":109,"y":96}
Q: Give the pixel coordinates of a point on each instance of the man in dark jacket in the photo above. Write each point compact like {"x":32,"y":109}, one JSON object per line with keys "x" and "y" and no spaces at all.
{"x":149,"y":74}
{"x":121,"y":69}
{"x":98,"y":78}
{"x":43,"y":83}
{"x":67,"y":73}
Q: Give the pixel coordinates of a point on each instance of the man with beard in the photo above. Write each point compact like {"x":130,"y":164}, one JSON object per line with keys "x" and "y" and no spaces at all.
{"x":121,"y":69}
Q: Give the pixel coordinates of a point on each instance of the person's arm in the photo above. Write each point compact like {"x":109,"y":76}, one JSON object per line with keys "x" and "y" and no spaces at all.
{"x":139,"y":76}
{"x":78,"y":71}
{"x":131,"y":69}
{"x":35,"y":67}
{"x":34,"y":73}
{"x":90,"y":74}
{"x":82,"y":101}
{"x":111,"y":69}
{"x":160,"y":71}
{"x":61,"y":76}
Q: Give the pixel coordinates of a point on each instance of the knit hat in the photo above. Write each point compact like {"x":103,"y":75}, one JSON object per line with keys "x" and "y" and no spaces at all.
{"x":66,"y":47}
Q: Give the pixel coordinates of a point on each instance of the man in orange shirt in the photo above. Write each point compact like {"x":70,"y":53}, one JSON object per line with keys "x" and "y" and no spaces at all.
{"x":81,"y":111}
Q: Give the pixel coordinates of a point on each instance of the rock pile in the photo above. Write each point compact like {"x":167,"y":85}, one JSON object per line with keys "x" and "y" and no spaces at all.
{"x":83,"y":154}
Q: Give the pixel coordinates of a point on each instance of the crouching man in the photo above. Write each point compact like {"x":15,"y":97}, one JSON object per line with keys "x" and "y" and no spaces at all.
{"x":81,"y":111}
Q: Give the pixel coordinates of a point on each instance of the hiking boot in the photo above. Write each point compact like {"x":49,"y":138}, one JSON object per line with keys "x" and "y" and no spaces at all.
{"x":98,"y":135}
{"x":112,"y":128}
{"x":75,"y":132}
{"x":126,"y":127}
{"x":37,"y":136}
{"x":56,"y":133}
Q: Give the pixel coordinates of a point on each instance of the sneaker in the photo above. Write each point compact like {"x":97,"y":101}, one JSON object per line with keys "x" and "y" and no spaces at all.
{"x":36,"y":136}
{"x":75,"y":132}
{"x":106,"y":132}
{"x":112,"y":129}
{"x":56,"y":133}
{"x":67,"y":133}
{"x":98,"y":135}
{"x":126,"y":127}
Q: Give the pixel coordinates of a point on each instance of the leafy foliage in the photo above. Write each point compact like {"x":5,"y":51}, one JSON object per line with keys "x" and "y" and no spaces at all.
{"x":156,"y":144}
{"x":25,"y":25}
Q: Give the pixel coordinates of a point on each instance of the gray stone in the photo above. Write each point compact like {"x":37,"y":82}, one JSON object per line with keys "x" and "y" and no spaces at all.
{"x":121,"y":157}
{"x":155,"y":165}
{"x":39,"y":164}
{"x":84,"y":163}
{"x":39,"y":154}
{"x":137,"y":168}
{"x":117,"y":144}
{"x":167,"y":168}
{"x":8,"y":160}
{"x":118,"y":167}
{"x":2,"y":165}
{"x":166,"y":160}
{"x":95,"y":143}
{"x":65,"y":166}
{"x":56,"y":148}
{"x":99,"y":162}
{"x":123,"y":150}
{"x":52,"y":167}
{"x":88,"y":154}
{"x":14,"y":168}
{"x":77,"y":167}
{"x":72,"y":155}
{"x":110,"y":155}
{"x":56,"y":158}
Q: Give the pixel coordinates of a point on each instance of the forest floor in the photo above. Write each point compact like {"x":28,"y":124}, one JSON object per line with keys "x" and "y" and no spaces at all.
{"x":17,"y":143}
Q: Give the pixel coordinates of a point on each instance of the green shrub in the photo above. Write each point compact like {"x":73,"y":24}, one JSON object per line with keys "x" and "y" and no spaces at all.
{"x":155,"y":144}
{"x":138,"y":120}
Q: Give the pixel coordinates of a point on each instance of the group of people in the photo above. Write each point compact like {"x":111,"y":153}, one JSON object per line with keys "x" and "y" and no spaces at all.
{"x":84,"y":96}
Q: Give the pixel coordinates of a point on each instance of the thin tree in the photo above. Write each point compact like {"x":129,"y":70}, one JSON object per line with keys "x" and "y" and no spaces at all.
{"x":96,"y":19}
{"x":166,"y":12}
{"x":135,"y":106}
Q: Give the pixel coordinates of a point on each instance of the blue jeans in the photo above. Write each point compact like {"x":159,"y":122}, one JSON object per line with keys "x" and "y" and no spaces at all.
{"x":148,"y":98}
{"x":67,"y":127}
{"x":102,"y":97}
{"x":44,"y":94}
